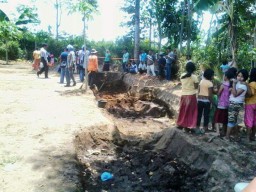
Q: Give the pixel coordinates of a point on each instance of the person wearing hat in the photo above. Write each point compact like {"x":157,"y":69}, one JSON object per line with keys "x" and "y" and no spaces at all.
{"x":92,"y":67}
{"x":43,"y":54}
{"x":70,"y":64}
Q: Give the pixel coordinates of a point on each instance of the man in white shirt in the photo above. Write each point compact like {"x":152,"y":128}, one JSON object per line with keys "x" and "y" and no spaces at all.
{"x":45,"y":67}
{"x":84,"y":57}
{"x":150,"y":64}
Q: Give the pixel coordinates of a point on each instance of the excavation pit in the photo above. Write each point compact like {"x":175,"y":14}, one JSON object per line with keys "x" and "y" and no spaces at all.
{"x":146,"y":152}
{"x":135,"y":164}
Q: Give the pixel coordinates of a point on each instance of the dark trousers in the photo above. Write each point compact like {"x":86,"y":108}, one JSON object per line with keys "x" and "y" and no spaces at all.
{"x":168,"y":71}
{"x":203,"y":108}
{"x":106,"y":66}
{"x":125,"y":67}
{"x":161,"y":71}
{"x":44,"y":69}
{"x":91,"y":78}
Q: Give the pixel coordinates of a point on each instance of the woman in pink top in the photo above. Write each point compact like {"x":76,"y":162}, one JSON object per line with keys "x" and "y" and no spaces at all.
{"x":188,"y":105}
{"x":221,"y":114}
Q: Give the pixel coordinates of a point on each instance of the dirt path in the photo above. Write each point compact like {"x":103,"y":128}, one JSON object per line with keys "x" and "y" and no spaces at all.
{"x":38,"y":121}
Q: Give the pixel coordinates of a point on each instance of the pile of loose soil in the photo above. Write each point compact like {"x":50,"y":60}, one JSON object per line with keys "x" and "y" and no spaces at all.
{"x":132,"y":106}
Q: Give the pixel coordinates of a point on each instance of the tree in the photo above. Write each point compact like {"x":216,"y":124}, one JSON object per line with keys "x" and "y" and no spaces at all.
{"x":8,"y":32}
{"x":137,"y":31}
{"x":58,"y":6}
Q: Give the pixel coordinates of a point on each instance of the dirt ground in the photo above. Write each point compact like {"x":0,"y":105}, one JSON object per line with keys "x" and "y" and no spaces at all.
{"x":39,"y":121}
{"x":39,"y":118}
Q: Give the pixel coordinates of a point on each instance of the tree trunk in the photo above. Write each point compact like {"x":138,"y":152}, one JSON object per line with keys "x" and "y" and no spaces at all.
{"x":189,"y":28}
{"x":58,"y":18}
{"x":159,"y":35}
{"x":137,"y":31}
{"x":182,"y":26}
{"x":85,"y":83}
{"x":232,"y":34}
{"x":6,"y":53}
{"x":254,"y":35}
{"x":209,"y":31}
{"x":254,"y":43}
{"x":150,"y":32}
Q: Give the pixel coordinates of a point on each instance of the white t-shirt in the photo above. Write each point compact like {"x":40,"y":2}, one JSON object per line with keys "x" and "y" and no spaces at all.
{"x":241,"y":97}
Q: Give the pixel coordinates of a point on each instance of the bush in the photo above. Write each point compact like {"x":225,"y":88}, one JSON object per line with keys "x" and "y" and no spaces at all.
{"x":14,"y":51}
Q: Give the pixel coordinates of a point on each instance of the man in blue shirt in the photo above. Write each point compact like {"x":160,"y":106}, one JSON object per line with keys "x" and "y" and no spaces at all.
{"x":125,"y":60}
{"x":143,"y":57}
{"x":63,"y":62}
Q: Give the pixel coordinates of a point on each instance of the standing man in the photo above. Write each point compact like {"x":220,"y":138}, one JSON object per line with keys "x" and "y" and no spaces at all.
{"x":150,"y":64}
{"x":93,"y":67}
{"x":70,"y":65}
{"x":45,"y":68}
{"x":63,"y":63}
{"x":83,"y":63}
{"x":161,"y":63}
{"x":36,"y":56}
{"x":169,"y":61}
{"x":125,"y":60}
{"x":143,"y":57}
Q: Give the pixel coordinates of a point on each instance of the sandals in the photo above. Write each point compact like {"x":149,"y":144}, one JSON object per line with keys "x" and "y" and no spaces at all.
{"x":199,"y":131}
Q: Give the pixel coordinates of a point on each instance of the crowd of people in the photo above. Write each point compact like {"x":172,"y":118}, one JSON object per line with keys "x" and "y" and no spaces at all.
{"x":151,"y":64}
{"x":203,"y":98}
{"x":69,"y":62}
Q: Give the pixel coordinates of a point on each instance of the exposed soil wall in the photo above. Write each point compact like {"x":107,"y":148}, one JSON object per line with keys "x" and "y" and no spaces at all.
{"x":166,"y":161}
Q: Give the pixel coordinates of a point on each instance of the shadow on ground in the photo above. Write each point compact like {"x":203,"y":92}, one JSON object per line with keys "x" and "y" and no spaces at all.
{"x":61,"y":171}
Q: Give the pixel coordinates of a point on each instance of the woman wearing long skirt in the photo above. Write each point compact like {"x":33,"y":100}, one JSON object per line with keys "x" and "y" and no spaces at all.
{"x":188,"y":104}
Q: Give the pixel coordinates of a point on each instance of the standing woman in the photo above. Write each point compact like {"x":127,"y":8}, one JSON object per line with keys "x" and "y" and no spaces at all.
{"x":188,"y":104}
{"x":250,"y":106}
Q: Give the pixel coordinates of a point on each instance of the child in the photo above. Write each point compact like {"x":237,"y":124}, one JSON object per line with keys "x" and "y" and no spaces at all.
{"x":213,"y":110}
{"x":188,"y":105}
{"x":142,"y":68}
{"x":133,"y":68}
{"x":250,"y":107}
{"x":221,"y":114}
{"x":204,"y":99}
{"x":236,"y":100}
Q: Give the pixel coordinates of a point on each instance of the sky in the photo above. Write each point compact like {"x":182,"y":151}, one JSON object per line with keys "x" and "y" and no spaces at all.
{"x":105,"y":24}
